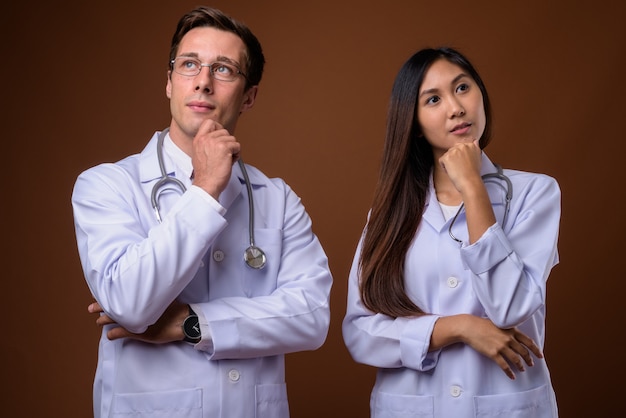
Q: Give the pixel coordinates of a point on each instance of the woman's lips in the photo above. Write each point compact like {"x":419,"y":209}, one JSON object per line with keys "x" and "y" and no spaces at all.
{"x":461,"y":129}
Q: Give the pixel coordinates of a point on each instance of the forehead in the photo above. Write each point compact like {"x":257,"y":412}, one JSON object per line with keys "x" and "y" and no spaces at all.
{"x":442,"y":73}
{"x":210,"y":43}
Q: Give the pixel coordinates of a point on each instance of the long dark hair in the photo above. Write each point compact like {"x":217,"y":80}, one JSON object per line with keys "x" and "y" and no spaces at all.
{"x":206,"y":16}
{"x":402,"y":187}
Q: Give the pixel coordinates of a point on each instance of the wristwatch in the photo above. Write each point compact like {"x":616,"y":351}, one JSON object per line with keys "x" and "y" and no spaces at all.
{"x":191,"y":328}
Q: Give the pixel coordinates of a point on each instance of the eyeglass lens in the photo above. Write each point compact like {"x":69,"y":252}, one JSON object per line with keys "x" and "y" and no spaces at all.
{"x":219,"y":70}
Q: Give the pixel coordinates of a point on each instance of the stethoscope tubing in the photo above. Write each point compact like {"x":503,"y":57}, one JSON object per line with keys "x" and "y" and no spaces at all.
{"x":164,"y":177}
{"x":499,"y":175}
{"x":253,"y":255}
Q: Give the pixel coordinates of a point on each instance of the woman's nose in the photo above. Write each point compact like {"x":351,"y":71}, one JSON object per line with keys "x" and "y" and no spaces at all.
{"x":456,"y":108}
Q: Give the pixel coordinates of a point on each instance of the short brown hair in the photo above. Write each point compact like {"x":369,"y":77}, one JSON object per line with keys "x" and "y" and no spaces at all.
{"x":207,"y":16}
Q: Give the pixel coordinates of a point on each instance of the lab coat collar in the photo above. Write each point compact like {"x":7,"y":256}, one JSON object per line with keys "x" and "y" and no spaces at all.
{"x":432,"y":211}
{"x":237,"y":184}
{"x":149,"y":171}
{"x":257,"y":179}
{"x":149,"y":162}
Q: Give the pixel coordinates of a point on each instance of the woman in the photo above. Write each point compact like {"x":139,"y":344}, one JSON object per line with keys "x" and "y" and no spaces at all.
{"x":447,"y":290}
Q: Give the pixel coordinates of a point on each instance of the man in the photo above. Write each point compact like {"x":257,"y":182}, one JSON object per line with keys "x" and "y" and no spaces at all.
{"x":190,"y":329}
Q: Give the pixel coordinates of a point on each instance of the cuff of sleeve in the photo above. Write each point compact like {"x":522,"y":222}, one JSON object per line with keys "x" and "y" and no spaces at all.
{"x":209,"y":199}
{"x":415,"y":342}
{"x":206,"y":341}
{"x":489,"y":250}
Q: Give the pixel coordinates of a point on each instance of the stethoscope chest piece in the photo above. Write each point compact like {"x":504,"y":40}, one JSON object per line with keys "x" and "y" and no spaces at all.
{"x":254,"y":257}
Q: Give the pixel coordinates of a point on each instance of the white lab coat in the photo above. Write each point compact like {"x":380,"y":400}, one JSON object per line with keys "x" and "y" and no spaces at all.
{"x":502,"y":276}
{"x":135,"y":267}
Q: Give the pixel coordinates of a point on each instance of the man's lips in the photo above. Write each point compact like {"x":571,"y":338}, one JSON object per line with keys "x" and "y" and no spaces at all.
{"x":199,"y":106}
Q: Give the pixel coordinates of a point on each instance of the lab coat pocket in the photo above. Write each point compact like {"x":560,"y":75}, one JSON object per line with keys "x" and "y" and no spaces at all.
{"x":532,"y":403}
{"x":171,"y":404}
{"x":271,"y":401}
{"x":391,"y":405}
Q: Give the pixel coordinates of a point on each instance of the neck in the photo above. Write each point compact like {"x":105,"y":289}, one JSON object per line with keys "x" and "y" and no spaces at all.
{"x":181,"y":139}
{"x":444,"y":188}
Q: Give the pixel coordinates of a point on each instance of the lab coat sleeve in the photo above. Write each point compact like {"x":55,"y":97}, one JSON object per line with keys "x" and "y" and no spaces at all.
{"x":382,"y":341}
{"x":295,"y":316}
{"x":135,"y":269}
{"x":510,"y":270}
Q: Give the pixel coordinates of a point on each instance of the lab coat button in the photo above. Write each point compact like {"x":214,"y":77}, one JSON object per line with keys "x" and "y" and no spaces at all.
{"x":234,"y":375}
{"x":218,"y":255}
{"x":455,"y":391}
{"x":453,"y":282}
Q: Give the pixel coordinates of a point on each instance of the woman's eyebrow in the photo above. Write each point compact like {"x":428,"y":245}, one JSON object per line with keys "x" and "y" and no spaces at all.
{"x":458,"y":77}
{"x":454,"y":81}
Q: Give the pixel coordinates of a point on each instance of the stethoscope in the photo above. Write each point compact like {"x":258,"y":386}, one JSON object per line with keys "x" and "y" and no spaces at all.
{"x":253,"y":255}
{"x":498,"y":175}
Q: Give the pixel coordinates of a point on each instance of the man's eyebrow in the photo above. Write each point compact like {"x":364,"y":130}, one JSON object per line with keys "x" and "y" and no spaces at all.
{"x":222,"y":58}
{"x":219,"y":58}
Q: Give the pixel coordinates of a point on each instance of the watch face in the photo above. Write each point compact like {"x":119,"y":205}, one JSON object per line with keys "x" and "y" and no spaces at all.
{"x":191,"y":327}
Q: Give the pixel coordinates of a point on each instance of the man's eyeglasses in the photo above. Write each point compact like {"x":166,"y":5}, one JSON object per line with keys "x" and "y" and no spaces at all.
{"x":190,"y":67}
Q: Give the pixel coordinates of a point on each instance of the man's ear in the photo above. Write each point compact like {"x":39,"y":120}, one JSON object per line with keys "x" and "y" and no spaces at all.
{"x":168,"y":86}
{"x":248,"y":98}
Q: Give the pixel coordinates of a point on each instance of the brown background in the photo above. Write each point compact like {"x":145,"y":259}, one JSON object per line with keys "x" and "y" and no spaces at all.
{"x":84,"y":82}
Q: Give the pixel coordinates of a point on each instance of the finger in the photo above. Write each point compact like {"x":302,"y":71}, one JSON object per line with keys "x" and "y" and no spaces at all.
{"x":104,"y":320}
{"x":117,"y":333}
{"x":94,"y":308}
{"x":514,"y":356}
{"x":219,"y":142}
{"x":228,"y":146}
{"x":524,"y":352}
{"x":442,"y":161}
{"x":209,"y":125}
{"x":506,"y":368}
{"x":530,"y":343}
{"x":235,"y":150}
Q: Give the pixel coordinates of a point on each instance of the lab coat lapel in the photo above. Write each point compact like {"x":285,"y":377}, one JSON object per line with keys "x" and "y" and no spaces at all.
{"x":149,"y":171}
{"x":432,"y":212}
{"x":148,"y":161}
{"x":234,"y":187}
{"x":494,"y":186}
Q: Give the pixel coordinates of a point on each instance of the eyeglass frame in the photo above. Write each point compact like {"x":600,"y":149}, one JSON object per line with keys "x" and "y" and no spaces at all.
{"x":209,"y":66}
